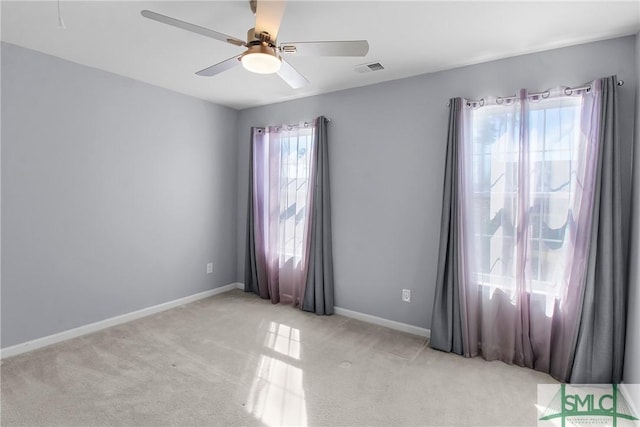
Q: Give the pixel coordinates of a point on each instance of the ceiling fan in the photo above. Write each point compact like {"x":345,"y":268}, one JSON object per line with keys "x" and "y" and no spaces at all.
{"x":263,"y":55}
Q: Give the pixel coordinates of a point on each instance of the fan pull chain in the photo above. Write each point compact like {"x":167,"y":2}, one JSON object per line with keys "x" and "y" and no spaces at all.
{"x":60,"y":20}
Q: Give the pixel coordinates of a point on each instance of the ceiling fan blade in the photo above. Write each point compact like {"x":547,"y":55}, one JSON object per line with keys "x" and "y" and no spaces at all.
{"x":268,"y":17}
{"x":291,"y":76}
{"x":192,"y":27}
{"x":220,"y":67}
{"x":332,"y":48}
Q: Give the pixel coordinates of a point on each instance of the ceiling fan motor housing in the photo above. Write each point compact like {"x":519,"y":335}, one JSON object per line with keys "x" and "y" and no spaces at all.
{"x":255,"y":39}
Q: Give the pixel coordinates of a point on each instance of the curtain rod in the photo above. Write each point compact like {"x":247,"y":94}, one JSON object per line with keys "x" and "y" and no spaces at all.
{"x":289,"y":126}
{"x":544,"y":94}
{"x":295,"y":125}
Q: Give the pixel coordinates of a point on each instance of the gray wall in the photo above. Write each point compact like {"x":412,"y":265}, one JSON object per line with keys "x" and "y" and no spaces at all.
{"x":387,"y":147}
{"x":115,"y":195}
{"x":632,"y":355}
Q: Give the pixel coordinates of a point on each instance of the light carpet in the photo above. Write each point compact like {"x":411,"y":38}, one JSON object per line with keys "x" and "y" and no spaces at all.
{"x":234,"y":359}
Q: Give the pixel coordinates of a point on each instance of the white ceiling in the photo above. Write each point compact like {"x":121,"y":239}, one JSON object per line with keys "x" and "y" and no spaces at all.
{"x":408,"y":38}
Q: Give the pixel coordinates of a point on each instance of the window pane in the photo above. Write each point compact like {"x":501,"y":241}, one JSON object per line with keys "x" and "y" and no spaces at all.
{"x":553,"y":137}
{"x":294,"y":193}
{"x":495,"y":171}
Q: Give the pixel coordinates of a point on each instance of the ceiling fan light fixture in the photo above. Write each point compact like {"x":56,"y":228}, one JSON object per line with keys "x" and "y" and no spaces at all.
{"x":261,"y":59}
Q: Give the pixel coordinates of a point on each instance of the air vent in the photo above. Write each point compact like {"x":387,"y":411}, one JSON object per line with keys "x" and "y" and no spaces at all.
{"x":367,"y":68}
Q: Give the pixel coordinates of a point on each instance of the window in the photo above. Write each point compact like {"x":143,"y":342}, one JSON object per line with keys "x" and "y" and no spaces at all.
{"x":282,"y":180}
{"x":527,"y":159}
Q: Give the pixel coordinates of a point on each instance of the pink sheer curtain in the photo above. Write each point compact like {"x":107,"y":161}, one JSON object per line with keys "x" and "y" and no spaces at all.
{"x":282,"y":178}
{"x":527,"y":178}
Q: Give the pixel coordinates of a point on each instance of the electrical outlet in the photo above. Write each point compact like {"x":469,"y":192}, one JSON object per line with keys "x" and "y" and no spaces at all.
{"x":210,"y":268}
{"x":406,"y":295}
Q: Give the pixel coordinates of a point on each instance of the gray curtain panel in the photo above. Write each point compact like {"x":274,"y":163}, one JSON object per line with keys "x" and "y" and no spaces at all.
{"x":250,"y":268}
{"x":318,"y":293}
{"x":251,"y":262}
{"x":599,"y":353}
{"x":446,"y":325}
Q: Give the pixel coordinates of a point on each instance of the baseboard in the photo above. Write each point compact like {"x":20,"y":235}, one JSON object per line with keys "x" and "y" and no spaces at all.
{"x":631,"y":393}
{"x":391,"y":324}
{"x":25,"y":347}
{"x":113,"y":321}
